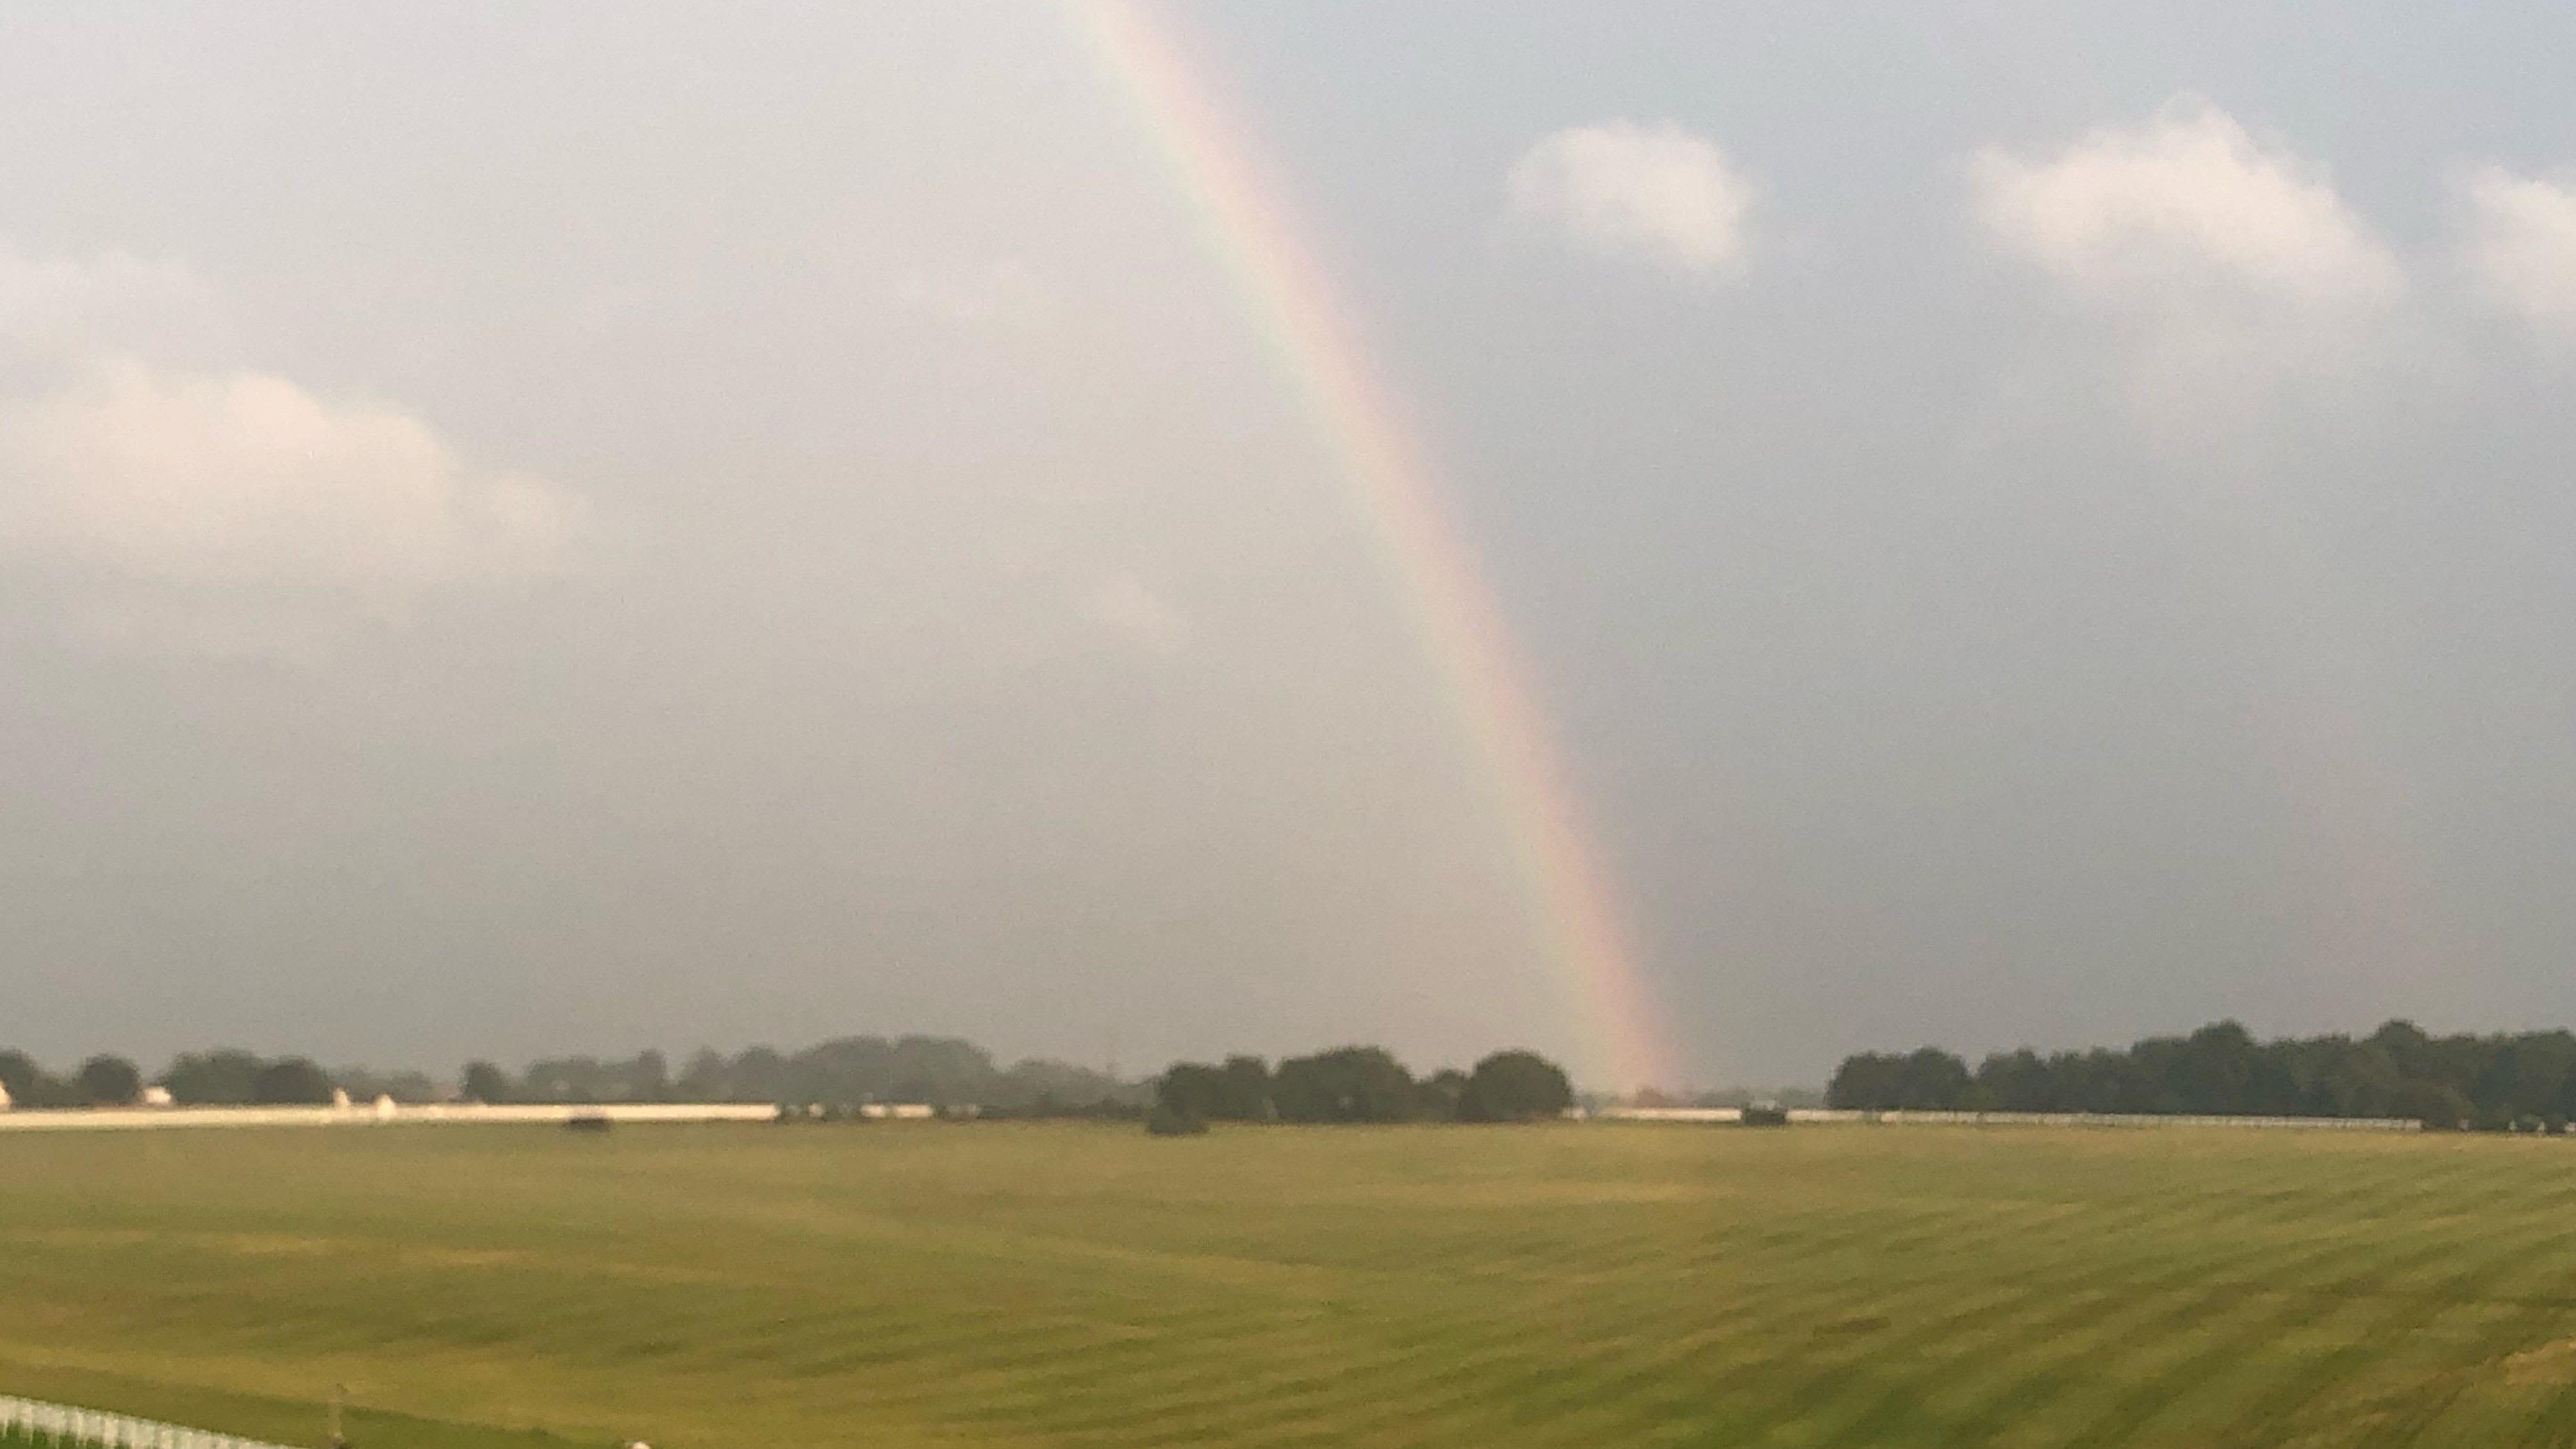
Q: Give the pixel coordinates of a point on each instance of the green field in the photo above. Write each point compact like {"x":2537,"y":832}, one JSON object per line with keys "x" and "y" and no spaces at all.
{"x":1039,"y":1284}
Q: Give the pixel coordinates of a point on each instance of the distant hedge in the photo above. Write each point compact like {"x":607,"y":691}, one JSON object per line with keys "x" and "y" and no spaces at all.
{"x":2487,"y":1082}
{"x":1365,"y":1084}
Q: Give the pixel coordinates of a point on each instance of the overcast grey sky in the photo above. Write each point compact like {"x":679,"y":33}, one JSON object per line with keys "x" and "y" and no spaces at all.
{"x":580,"y":527}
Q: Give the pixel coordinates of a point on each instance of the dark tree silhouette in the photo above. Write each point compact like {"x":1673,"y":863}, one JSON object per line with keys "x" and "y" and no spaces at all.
{"x":1515,"y":1086}
{"x":1346,"y":1084}
{"x":220,"y":1077}
{"x":292,"y":1081}
{"x":485,"y":1082}
{"x":109,"y":1081}
{"x":2491,"y":1082}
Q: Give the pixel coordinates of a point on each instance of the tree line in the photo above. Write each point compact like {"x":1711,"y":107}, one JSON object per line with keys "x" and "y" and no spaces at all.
{"x":1347,"y":1084}
{"x":848,"y":1071}
{"x":215,"y":1078}
{"x":844,"y":1072}
{"x":2490,"y":1083}
{"x":1360,"y":1084}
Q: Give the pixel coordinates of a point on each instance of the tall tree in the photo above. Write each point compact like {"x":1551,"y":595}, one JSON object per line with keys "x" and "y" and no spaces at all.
{"x":292,"y":1081}
{"x":485,"y":1082}
{"x":1347,"y":1084}
{"x":221,"y":1077}
{"x":1515,"y":1086}
{"x":109,"y":1081}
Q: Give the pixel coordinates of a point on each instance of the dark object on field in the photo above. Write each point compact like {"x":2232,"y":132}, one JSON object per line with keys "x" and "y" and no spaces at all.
{"x":1168,"y":1122}
{"x":1766,"y":1114}
{"x":586,"y":1122}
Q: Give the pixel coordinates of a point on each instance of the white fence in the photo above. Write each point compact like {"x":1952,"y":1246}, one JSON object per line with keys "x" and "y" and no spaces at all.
{"x":2116,"y":1119}
{"x":63,"y":1424}
{"x":1671,"y":1114}
{"x":92,"y":1119}
{"x":2018,"y":1119}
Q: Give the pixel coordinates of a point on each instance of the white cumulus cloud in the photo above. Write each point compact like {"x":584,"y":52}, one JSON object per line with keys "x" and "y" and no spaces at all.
{"x":151,"y":485}
{"x":2236,"y":286}
{"x":2521,"y":245}
{"x":1656,"y":194}
{"x":2189,"y":208}
{"x":241,"y":478}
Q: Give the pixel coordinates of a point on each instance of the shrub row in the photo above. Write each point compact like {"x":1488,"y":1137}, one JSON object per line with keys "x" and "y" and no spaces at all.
{"x":2491,"y":1082}
{"x":196,"y":1079}
{"x":1362,"y":1084}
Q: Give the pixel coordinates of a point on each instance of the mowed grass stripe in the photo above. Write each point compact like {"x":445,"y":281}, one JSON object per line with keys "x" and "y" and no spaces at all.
{"x":2555,"y":1422}
{"x":2380,"y":1327}
{"x":1465,"y":1366}
{"x":2520,"y":1317}
{"x":2175,"y":1393}
{"x":2470,"y":1389}
{"x":2379,"y":1275}
{"x":1476,"y":1371}
{"x":2479,"y":1262}
{"x":2031,"y":1272}
{"x":2519,"y":1313}
{"x":2017,"y":1365}
{"x":1259,"y":1357}
{"x":1520,"y":1358}
{"x":2065,"y":1357}
{"x":1598,"y":1391}
{"x":1068,"y":1285}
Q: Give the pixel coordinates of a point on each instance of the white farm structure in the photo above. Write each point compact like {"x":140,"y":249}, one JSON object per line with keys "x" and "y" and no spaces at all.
{"x":382,"y":1111}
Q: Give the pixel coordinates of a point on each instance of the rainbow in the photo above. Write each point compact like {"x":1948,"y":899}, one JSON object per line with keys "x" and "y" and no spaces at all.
{"x":1253,"y":233}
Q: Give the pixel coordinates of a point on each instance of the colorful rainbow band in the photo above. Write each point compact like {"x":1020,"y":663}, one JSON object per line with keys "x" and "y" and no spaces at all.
{"x":1250,"y":229}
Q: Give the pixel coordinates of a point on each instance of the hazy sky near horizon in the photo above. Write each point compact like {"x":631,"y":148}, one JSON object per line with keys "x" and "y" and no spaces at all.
{"x":591,"y":526}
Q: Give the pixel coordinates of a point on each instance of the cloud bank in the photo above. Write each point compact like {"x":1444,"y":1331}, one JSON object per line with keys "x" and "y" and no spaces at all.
{"x":129,"y":473}
{"x":2187,"y":209}
{"x":2232,"y":277}
{"x":1654,"y":194}
{"x":2521,"y":246}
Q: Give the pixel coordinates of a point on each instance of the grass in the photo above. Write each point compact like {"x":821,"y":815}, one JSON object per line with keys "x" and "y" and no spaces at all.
{"x":991,"y":1285}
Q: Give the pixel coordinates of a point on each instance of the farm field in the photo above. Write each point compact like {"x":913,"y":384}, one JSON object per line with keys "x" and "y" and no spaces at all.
{"x":992,"y":1285}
